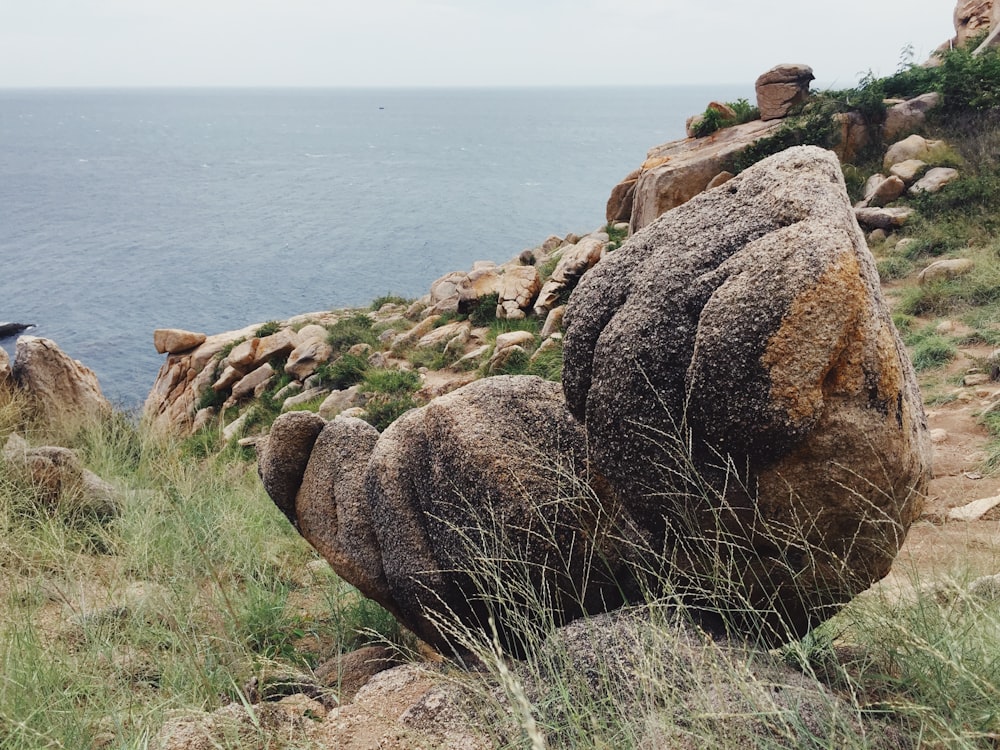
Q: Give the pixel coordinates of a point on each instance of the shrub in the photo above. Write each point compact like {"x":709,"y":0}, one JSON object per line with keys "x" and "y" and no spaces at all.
{"x":391,"y":381}
{"x":388,"y":299}
{"x":485,"y":310}
{"x":343,"y":372}
{"x":345,"y":333}
{"x":384,"y":409}
{"x":269,"y":328}
{"x":813,"y":125}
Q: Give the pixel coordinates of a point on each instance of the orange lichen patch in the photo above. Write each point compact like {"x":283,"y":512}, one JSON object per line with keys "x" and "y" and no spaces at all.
{"x":656,"y":161}
{"x":814,"y":353}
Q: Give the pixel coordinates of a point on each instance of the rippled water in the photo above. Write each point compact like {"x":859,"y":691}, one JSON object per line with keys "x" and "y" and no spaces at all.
{"x":126,"y":211}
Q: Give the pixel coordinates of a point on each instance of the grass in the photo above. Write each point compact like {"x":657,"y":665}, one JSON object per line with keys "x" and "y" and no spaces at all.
{"x":979,"y":288}
{"x":929,"y":349}
{"x":356,"y":329}
{"x":111,"y":623}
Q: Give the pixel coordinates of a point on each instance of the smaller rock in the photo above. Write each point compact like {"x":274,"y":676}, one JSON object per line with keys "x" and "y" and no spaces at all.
{"x":175,"y":340}
{"x":882,"y":218}
{"x":502,"y":356}
{"x":235,"y":427}
{"x":974,"y":510}
{"x":913,"y":147}
{"x":514,"y":338}
{"x":349,"y":672}
{"x":471,"y":359}
{"x":5,"y":371}
{"x":249,"y":383}
{"x":885,"y":191}
{"x":908,"y":171}
{"x":203,"y":418}
{"x":938,"y":435}
{"x":720,"y":179}
{"x":339,"y":401}
{"x":978,"y":378}
{"x":941,"y":270}
{"x":934,"y":180}
{"x":877,"y":236}
{"x":292,"y":403}
{"x":553,"y":321}
{"x":908,"y":116}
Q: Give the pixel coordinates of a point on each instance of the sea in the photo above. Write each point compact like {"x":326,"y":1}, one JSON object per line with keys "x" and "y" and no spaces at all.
{"x":123,"y":211}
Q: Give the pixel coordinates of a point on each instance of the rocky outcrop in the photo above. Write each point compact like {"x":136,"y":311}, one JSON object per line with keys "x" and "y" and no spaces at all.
{"x":64,"y":393}
{"x":745,"y":392}
{"x":675,"y":172}
{"x":483,"y":487}
{"x":176,"y":340}
{"x":905,"y":117}
{"x":781,"y":88}
{"x":972,"y":18}
{"x":619,"y":206}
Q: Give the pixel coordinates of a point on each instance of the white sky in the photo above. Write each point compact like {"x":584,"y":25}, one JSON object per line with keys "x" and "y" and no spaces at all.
{"x":455,"y":42}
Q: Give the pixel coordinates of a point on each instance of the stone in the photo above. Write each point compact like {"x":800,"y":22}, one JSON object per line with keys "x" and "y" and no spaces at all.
{"x":885,"y":191}
{"x":203,"y":418}
{"x":64,"y":393}
{"x":619,"y":207}
{"x":553,"y":321}
{"x":935,"y":179}
{"x":289,"y":390}
{"x":908,"y":170}
{"x":175,"y":340}
{"x":720,"y":179}
{"x":440,"y":337}
{"x":941,"y":270}
{"x":305,"y":358}
{"x":5,"y":372}
{"x":913,"y":147}
{"x":877,"y":236}
{"x":242,"y":356}
{"x":471,"y":359}
{"x":501,"y":357}
{"x":428,"y":505}
{"x":977,"y":378}
{"x":515,"y":338}
{"x":972,"y":18}
{"x":225,"y":381}
{"x":781,"y":88}
{"x":349,"y":672}
{"x":908,"y":116}
{"x":518,"y":289}
{"x":340,"y":401}
{"x":575,"y":261}
{"x":677,"y":171}
{"x":882,"y":218}
{"x":975,"y":510}
{"x":740,"y":380}
{"x":277,"y":344}
{"x":854,"y":136}
{"x":938,"y":436}
{"x":248,"y":384}
{"x":294,"y":402}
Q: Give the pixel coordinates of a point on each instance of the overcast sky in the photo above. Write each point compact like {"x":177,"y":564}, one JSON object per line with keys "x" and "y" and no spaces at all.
{"x":454,"y":42}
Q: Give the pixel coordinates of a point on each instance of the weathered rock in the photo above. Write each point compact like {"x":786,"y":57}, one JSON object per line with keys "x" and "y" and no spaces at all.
{"x":720,"y":179}
{"x":349,"y":672}
{"x":882,"y":218}
{"x":913,"y":147}
{"x":854,"y":135}
{"x":175,"y":340}
{"x":883,"y":191}
{"x":5,"y":371}
{"x":59,"y":479}
{"x":972,"y":18}
{"x":277,"y":344}
{"x":975,"y":510}
{"x":908,"y":116}
{"x":781,"y":88}
{"x":745,"y":392}
{"x":934,"y":180}
{"x":572,"y":265}
{"x":677,"y":171}
{"x":249,"y":383}
{"x":518,"y":289}
{"x":948,"y":268}
{"x":908,"y":170}
{"x":305,"y":358}
{"x":292,"y":403}
{"x":440,"y":337}
{"x":619,"y":206}
{"x":65,"y":393}
{"x":553,"y":321}
{"x":416,"y":518}
{"x":339,"y":401}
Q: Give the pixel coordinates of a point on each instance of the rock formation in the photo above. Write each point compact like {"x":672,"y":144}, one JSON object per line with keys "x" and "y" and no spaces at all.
{"x":749,"y":437}
{"x":781,"y":88}
{"x":745,"y":392}
{"x":478,"y":494}
{"x":64,"y":393}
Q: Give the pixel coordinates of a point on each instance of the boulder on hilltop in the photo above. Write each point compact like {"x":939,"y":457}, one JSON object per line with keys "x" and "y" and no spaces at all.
{"x":745,"y":392}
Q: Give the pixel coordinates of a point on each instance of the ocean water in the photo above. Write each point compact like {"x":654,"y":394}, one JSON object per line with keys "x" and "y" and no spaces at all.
{"x":123,"y":211}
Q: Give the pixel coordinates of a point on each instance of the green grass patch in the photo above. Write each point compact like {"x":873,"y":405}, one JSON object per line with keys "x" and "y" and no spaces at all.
{"x":343,"y":372}
{"x":356,"y":329}
{"x":388,"y":299}
{"x":929,"y":349}
{"x":390,"y":381}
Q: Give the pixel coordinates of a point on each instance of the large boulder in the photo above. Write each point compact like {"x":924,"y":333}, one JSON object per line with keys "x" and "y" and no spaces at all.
{"x":677,"y":171}
{"x":745,"y":392}
{"x":479,"y":494}
{"x":65,"y":393}
{"x":781,"y":88}
{"x":972,"y":18}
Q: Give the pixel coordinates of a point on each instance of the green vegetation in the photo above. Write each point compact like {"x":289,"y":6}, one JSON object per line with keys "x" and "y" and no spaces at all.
{"x":388,"y":299}
{"x":712,"y":119}
{"x":343,"y":372}
{"x":485,"y":311}
{"x":929,"y":349}
{"x":269,"y":328}
{"x":357,"y":329}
